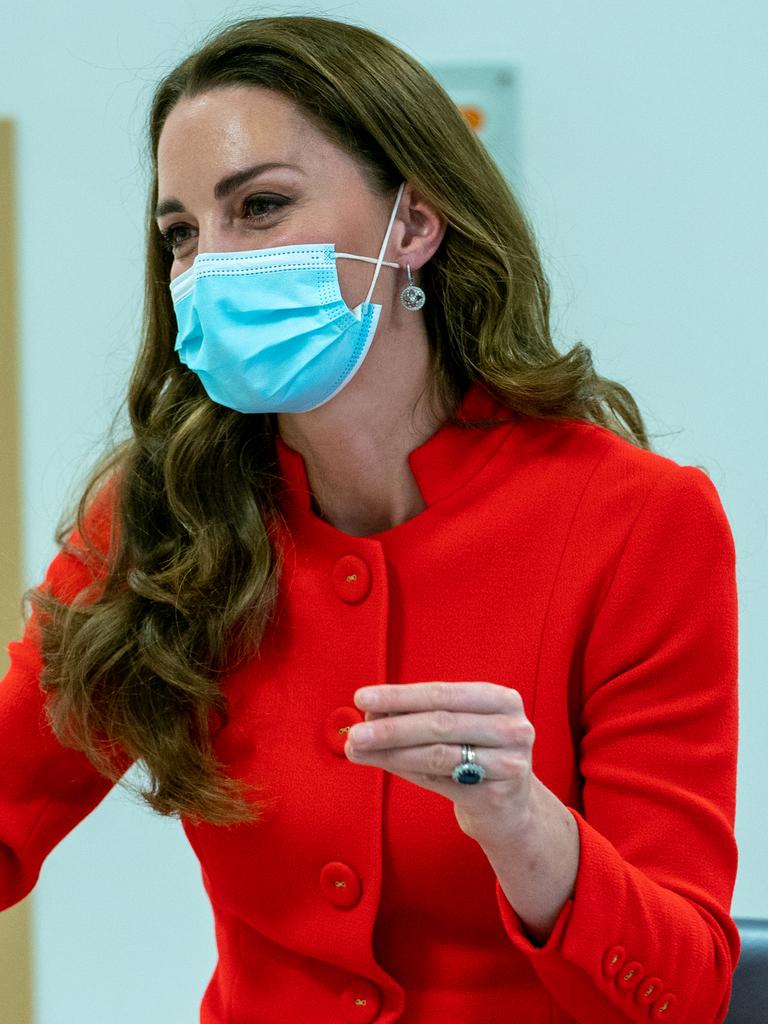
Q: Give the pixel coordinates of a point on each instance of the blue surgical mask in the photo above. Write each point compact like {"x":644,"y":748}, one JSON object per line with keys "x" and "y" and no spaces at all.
{"x":267,"y":330}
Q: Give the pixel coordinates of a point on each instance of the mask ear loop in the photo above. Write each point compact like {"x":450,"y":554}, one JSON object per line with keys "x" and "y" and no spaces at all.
{"x":384,"y":244}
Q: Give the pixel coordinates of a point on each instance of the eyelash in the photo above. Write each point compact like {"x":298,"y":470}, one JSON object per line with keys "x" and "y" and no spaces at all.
{"x":274,"y":201}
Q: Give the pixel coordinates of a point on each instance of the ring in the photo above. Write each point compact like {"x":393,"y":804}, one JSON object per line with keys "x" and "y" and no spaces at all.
{"x":468,"y":772}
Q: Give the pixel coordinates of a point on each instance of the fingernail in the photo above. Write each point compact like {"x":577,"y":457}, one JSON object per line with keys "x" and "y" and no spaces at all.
{"x":367,"y":698}
{"x":361,"y":734}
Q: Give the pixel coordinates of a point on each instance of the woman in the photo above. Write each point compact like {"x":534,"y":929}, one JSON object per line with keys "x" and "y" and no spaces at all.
{"x":362,"y":486}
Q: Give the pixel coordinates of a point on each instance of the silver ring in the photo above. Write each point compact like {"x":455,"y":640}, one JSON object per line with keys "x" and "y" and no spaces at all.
{"x":467,"y":772}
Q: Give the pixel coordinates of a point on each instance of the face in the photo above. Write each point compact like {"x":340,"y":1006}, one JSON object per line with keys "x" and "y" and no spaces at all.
{"x":242,"y":168}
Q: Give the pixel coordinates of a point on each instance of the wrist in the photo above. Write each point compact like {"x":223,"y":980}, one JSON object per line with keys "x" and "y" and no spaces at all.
{"x":537,"y":862}
{"x":514,"y":831}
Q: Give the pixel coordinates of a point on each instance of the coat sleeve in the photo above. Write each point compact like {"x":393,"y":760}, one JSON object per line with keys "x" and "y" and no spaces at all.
{"x":45,"y":788}
{"x":648,"y":934}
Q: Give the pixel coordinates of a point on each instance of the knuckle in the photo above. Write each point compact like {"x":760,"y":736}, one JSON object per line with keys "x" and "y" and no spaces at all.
{"x":515,"y":730}
{"x":385,"y":731}
{"x":509,"y":729}
{"x":438,"y":693}
{"x":441,"y":722}
{"x":497,"y":796}
{"x":512,"y":766}
{"x":438,"y":758}
{"x":514,"y":700}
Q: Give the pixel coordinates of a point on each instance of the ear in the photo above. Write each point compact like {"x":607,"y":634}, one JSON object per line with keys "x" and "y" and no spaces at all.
{"x":421,"y":229}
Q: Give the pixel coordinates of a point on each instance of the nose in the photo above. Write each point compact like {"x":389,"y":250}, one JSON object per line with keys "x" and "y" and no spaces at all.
{"x":222,"y":238}
{"x":214,"y":232}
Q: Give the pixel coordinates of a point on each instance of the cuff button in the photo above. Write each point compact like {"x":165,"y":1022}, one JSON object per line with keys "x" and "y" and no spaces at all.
{"x":648,"y":990}
{"x":613,"y":960}
{"x":663,"y":1007}
{"x":629,"y":975}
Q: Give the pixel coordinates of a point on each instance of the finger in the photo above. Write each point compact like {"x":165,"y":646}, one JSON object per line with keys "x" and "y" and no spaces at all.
{"x":421,"y":728}
{"x":480,"y":697}
{"x":438,"y":761}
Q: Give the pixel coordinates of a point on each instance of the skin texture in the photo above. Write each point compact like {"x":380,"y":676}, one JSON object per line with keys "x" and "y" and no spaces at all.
{"x":355,"y":450}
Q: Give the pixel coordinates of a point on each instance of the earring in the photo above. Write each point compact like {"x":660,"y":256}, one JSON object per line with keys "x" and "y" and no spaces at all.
{"x":412,"y":297}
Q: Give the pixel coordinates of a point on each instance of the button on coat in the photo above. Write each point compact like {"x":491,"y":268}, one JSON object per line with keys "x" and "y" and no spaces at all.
{"x":351,"y":579}
{"x":361,"y":1001}
{"x":340,"y":884}
{"x":337,"y":725}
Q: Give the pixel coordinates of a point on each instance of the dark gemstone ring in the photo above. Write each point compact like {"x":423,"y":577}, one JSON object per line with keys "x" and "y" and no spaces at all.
{"x":467,"y":772}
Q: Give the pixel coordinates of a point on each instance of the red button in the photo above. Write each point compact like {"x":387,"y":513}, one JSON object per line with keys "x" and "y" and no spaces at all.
{"x":351,"y":579}
{"x":337,"y":725}
{"x":629,"y":975}
{"x":361,"y":1001}
{"x":663,"y":1009}
{"x":340,"y":884}
{"x":648,"y":990}
{"x":613,"y":960}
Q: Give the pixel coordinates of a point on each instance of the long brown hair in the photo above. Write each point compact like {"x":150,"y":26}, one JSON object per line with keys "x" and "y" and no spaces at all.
{"x":185,"y":571}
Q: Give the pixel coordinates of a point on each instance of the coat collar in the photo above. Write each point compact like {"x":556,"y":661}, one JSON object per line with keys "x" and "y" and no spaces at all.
{"x":441,"y":465}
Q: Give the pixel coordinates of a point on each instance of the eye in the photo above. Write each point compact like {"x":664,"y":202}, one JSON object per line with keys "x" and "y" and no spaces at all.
{"x":262,"y":205}
{"x":174,"y":236}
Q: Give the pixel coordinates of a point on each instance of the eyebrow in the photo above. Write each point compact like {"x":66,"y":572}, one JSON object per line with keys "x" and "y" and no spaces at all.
{"x":225,"y":187}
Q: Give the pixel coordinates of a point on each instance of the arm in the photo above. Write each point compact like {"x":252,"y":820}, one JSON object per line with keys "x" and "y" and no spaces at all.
{"x":537,"y":867}
{"x":646,"y":933}
{"x":45,"y":788}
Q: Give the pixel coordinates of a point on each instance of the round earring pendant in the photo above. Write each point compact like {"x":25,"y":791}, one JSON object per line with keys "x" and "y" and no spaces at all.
{"x":412,"y":297}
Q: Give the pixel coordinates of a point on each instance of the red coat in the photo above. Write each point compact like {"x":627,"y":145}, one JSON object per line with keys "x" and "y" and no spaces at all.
{"x":597,"y":579}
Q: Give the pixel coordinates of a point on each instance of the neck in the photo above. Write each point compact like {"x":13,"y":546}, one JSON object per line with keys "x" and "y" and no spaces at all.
{"x":355,"y":447}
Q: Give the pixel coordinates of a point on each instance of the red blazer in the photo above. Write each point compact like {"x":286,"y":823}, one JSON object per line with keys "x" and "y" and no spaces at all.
{"x":597,"y":579}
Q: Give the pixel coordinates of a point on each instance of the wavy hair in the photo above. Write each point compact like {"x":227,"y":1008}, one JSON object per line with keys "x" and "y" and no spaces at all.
{"x":176,"y":523}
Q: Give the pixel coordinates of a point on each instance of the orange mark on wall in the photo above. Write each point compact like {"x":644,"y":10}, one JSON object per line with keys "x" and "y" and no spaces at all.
{"x":475,"y":116}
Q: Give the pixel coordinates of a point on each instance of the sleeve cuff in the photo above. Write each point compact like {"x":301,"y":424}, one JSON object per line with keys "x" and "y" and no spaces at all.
{"x":517,"y":932}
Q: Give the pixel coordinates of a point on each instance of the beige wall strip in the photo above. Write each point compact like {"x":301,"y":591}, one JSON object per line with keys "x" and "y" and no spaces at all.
{"x":15,"y":923}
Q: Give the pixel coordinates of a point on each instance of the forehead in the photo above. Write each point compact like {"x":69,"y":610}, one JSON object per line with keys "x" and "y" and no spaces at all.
{"x":228,"y":126}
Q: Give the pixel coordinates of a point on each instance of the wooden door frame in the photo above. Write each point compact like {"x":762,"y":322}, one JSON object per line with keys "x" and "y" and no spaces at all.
{"x":16,"y":922}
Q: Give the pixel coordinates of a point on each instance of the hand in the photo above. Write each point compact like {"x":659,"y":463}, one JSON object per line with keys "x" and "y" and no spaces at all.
{"x":417,"y":733}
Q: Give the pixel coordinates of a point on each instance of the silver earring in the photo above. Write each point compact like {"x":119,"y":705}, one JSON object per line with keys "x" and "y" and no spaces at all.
{"x":412,"y":297}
